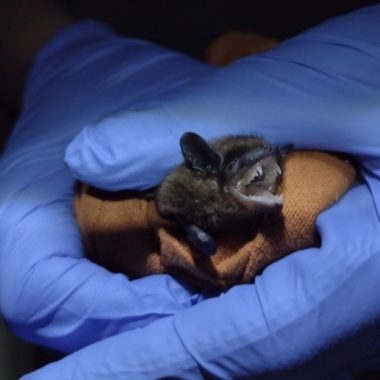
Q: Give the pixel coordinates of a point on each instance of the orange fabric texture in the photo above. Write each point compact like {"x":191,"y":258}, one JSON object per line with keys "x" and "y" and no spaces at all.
{"x":125,"y":234}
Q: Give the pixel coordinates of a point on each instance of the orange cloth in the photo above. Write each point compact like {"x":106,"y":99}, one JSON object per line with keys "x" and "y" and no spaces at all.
{"x":125,"y":233}
{"x":234,"y":45}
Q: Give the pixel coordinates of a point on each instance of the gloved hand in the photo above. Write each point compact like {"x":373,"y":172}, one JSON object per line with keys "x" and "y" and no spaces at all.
{"x":309,"y":314}
{"x":306,"y":316}
{"x":49,"y":293}
{"x":318,"y":90}
{"x":300,"y":311}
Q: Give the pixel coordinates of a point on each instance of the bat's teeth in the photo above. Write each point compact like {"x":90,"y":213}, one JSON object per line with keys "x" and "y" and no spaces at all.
{"x":251,"y":175}
{"x":259,"y":169}
{"x":278,"y":170}
{"x":258,"y":172}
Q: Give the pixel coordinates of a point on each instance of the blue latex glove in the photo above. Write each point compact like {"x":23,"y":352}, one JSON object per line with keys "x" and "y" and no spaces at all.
{"x":49,"y":293}
{"x":313,"y":312}
{"x":293,"y":322}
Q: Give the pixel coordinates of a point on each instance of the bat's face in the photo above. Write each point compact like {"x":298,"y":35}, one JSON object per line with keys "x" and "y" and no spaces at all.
{"x":250,"y":173}
{"x":230,"y":182}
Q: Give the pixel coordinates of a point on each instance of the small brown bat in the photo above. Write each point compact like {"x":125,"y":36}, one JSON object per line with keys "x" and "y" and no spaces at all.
{"x":222,"y":185}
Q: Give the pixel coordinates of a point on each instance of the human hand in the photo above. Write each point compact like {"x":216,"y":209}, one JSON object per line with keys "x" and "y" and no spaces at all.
{"x":311,"y":313}
{"x":306,"y":317}
{"x":50,"y":293}
{"x":318,"y":91}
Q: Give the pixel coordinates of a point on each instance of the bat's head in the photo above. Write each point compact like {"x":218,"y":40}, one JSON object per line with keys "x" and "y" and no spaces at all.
{"x":230,"y":182}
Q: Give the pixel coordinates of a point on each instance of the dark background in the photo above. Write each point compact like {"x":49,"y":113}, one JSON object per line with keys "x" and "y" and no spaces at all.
{"x":188,"y":26}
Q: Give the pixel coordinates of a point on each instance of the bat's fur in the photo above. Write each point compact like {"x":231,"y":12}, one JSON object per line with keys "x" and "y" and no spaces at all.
{"x":205,"y":200}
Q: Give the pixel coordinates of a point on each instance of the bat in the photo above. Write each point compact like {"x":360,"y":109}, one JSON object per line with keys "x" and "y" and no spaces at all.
{"x":223,"y":185}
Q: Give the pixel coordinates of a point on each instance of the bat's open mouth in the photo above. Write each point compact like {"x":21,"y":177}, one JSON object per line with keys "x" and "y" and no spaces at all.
{"x":251,"y":191}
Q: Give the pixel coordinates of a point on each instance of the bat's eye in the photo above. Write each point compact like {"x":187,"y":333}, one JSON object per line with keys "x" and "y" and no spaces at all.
{"x":232,"y":166}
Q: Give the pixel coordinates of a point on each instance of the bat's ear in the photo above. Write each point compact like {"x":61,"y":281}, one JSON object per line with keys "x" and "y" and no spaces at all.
{"x":199,"y":155}
{"x":284,"y":150}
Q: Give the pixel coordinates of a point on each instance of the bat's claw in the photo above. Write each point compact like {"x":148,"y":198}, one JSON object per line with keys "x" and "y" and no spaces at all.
{"x":200,"y":240}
